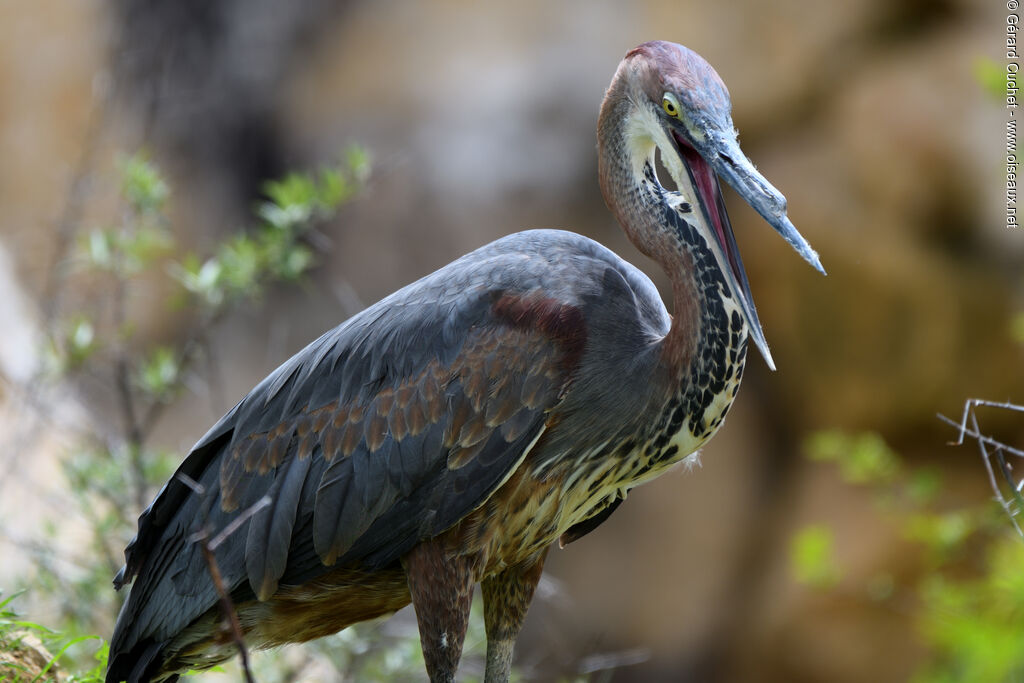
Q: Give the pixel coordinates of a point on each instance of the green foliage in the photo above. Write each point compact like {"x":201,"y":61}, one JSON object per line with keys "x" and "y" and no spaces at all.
{"x":142,"y":186}
{"x":124,"y":252}
{"x":273,"y":251}
{"x":991,"y":77}
{"x":17,"y":636}
{"x":941,"y":533}
{"x":970,"y":614}
{"x":70,"y":345}
{"x":143,"y":236}
{"x":112,"y":472}
{"x":159,"y":374}
{"x":862,"y":458}
{"x":976,"y":626}
{"x":812,"y":557}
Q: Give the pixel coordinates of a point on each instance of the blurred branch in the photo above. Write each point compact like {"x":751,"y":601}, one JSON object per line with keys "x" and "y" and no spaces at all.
{"x":74,"y":199}
{"x":607,"y":661}
{"x":998,"y":452}
{"x":208,"y":547}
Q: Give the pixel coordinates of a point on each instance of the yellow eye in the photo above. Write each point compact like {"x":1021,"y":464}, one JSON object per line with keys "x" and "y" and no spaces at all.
{"x":670,"y":104}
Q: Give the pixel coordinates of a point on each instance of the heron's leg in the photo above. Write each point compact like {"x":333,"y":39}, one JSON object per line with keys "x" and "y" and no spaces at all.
{"x":441,"y":587}
{"x":507,"y":596}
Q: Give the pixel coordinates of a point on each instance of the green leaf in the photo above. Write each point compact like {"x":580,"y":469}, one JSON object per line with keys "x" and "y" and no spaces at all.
{"x":143,"y":246}
{"x":359,"y":163}
{"x":812,"y":557}
{"x":209,"y":275}
{"x":991,"y":76}
{"x":334,"y":188}
{"x":4,"y":610}
{"x":295,"y":262}
{"x":284,"y":218}
{"x":975,"y":627}
{"x":924,"y":485}
{"x":242,"y":265}
{"x":941,"y":532}
{"x":141,"y":184}
{"x":82,"y":336}
{"x":202,"y":279}
{"x":862,"y":458}
{"x":297,"y":197}
{"x":99,"y":248}
{"x":158,"y":374}
{"x":75,"y":344}
{"x":294,"y":190}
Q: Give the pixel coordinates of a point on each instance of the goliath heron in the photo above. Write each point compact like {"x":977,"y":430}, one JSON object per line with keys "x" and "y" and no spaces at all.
{"x":448,"y":434}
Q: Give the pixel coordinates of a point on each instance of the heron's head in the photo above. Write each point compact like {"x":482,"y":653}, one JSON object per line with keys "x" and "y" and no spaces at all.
{"x":677,"y":103}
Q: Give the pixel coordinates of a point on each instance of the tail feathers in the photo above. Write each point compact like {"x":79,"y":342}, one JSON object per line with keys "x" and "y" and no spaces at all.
{"x":142,"y":664}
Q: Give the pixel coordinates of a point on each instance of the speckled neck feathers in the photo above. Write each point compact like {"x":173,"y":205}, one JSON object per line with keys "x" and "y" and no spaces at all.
{"x":704,"y":351}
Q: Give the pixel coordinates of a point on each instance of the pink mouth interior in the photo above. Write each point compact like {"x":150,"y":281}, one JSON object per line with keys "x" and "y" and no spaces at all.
{"x":707,"y":188}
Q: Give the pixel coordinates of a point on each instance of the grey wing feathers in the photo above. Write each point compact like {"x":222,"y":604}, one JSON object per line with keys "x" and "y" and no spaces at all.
{"x":270,"y":529}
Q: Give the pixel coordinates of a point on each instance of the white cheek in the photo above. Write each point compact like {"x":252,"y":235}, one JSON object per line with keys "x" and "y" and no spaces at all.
{"x":639,"y":140}
{"x":644,"y":133}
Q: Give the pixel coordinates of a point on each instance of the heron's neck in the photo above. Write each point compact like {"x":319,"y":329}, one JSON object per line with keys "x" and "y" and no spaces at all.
{"x":657,"y":224}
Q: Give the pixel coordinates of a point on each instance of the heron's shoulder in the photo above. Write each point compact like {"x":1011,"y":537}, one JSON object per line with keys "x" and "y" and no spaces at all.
{"x":558,"y":260}
{"x":546,"y":241}
{"x":587,"y":261}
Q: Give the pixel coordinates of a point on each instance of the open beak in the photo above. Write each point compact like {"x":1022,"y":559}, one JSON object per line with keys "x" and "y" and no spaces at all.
{"x":730,"y":163}
{"x":723,"y":158}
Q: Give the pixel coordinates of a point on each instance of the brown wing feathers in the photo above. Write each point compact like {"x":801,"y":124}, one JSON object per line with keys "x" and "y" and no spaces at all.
{"x":493,"y":393}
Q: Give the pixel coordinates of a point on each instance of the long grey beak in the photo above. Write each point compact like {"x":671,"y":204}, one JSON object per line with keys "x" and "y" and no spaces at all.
{"x":719,"y":156}
{"x":733,"y":166}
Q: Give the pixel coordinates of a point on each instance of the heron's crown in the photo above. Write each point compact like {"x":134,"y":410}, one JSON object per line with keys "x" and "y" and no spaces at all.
{"x":660,"y":66}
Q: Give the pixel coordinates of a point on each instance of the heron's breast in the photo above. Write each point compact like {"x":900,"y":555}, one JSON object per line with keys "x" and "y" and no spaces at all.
{"x":685,"y":422}
{"x":555,"y":490}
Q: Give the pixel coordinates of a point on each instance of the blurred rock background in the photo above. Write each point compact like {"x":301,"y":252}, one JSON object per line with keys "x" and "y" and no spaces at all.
{"x":480,"y":117}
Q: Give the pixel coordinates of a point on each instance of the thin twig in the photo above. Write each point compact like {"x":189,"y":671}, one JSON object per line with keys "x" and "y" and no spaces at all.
{"x":190,"y":349}
{"x":969,"y":406}
{"x":188,"y":481}
{"x":239,"y":521}
{"x":999,"y":451}
{"x":133,"y":434}
{"x":1004,"y":469}
{"x":228,"y":608}
{"x":202,"y":537}
{"x":974,"y":434}
{"x":126,"y":397}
